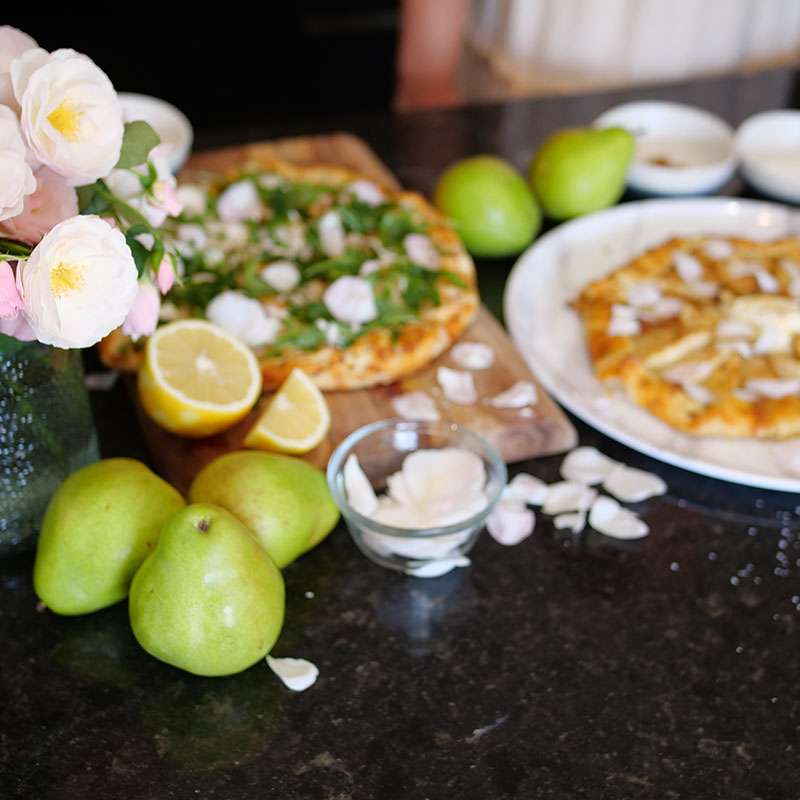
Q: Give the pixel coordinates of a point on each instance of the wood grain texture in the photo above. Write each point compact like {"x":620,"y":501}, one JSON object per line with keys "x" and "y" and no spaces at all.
{"x":516,"y":436}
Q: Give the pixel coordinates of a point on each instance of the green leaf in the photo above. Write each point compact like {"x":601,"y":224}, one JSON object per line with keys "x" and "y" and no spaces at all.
{"x":253,"y":284}
{"x":395,"y":224}
{"x":10,"y":344}
{"x":93,"y":199}
{"x":130,"y":215}
{"x":8,"y":247}
{"x":333,"y":268}
{"x":309,"y":337}
{"x":358,"y":217}
{"x":139,"y":251}
{"x":137,"y":141}
{"x":310,"y":312}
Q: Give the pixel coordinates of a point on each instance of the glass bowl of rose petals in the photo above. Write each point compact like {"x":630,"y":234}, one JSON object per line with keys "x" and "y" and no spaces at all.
{"x":416,"y":495}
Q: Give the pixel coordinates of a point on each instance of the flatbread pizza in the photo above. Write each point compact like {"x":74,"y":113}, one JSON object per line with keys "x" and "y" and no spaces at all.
{"x":316,"y":267}
{"x":704,"y":333}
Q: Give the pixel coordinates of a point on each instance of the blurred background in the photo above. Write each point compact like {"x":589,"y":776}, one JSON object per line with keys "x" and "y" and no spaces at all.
{"x":323,"y":57}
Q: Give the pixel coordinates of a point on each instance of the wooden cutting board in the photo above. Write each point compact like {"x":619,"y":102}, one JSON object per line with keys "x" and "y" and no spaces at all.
{"x":516,"y":436}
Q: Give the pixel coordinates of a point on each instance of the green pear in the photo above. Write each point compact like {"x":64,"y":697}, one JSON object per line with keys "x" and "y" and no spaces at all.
{"x":208,"y":599}
{"x":490,"y":204}
{"x":580,"y":170}
{"x":101,"y":523}
{"x":285,"y":501}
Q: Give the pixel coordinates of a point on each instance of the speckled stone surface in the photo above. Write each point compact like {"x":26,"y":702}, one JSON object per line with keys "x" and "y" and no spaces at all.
{"x":565,"y":667}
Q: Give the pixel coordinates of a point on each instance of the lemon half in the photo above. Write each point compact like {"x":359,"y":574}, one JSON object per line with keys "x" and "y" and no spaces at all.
{"x":197,"y":379}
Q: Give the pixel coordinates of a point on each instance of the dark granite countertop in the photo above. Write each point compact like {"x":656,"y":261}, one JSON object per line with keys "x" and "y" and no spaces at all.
{"x":562,"y":668}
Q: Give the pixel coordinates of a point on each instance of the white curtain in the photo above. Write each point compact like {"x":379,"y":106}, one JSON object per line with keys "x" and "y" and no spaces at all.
{"x":584,"y":43}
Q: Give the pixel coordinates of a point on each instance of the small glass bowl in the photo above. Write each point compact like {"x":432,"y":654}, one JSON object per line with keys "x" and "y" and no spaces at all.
{"x":381,"y":448}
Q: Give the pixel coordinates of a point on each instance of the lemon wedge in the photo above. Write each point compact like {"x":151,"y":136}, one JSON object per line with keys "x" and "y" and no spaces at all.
{"x":296,"y":419}
{"x":197,"y":379}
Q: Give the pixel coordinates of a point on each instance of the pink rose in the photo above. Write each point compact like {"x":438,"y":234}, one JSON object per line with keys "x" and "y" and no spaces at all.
{"x":18,"y":328}
{"x":10,"y":300}
{"x":166,"y":275}
{"x":143,"y":316}
{"x":51,"y":203}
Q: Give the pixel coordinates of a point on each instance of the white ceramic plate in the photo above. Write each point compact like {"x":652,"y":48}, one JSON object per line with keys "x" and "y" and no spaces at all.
{"x":169,"y":122}
{"x":549,"y":334}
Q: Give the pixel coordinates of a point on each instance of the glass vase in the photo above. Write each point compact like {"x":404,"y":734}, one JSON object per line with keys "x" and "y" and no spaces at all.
{"x":46,"y":432}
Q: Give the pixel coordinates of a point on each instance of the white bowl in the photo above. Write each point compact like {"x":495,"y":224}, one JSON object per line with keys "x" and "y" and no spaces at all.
{"x":768,"y":147}
{"x":170,"y":123}
{"x":697,"y":147}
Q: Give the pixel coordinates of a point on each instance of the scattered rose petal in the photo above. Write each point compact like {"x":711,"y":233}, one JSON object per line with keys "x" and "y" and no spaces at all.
{"x":472,"y":355}
{"x":510,"y":523}
{"x":458,"y":386}
{"x":450,"y":472}
{"x":608,"y":517}
{"x":521,"y":394}
{"x":351,"y":300}
{"x":434,"y":569}
{"x":575,"y":521}
{"x":281,"y":275}
{"x":415,"y":406}
{"x":360,"y":493}
{"x":369,"y":266}
{"x":332,"y":236}
{"x":367,"y":192}
{"x":296,"y":673}
{"x":420,"y":249}
{"x":239,"y":202}
{"x":633,"y":485}
{"x":526,"y":489}
{"x":568,"y":496}
{"x":586,"y":465}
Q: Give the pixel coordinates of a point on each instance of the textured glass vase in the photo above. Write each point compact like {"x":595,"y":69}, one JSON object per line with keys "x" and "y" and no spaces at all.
{"x":46,"y":432}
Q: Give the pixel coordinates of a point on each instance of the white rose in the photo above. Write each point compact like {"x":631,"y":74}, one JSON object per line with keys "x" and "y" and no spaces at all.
{"x":71,"y":117}
{"x":17,"y":177}
{"x":13,"y":43}
{"x":79,"y":283}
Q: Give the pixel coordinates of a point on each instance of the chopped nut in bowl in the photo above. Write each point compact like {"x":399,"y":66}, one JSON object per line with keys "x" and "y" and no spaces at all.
{"x":415,"y":495}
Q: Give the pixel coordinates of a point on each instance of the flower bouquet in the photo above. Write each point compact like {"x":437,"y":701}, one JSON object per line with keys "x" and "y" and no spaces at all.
{"x":82,"y":196}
